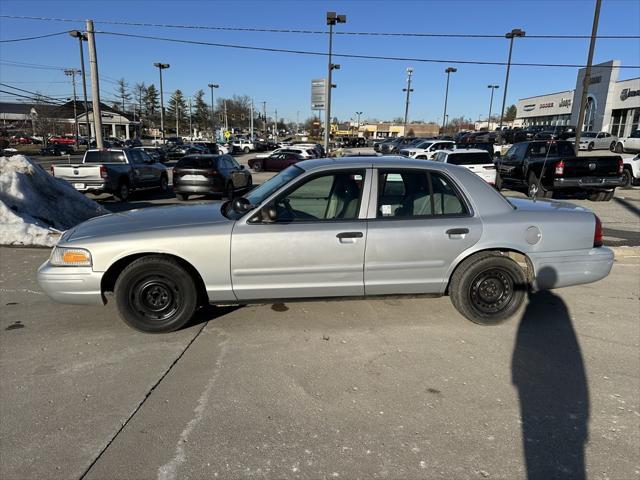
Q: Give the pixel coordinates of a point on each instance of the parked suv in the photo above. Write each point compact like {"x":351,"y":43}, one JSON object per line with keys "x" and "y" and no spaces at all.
{"x":478,"y":161}
{"x":209,"y":175}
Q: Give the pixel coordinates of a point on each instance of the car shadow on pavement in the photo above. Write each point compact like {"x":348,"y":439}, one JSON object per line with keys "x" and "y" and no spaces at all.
{"x":549,"y":373}
{"x":209,"y":313}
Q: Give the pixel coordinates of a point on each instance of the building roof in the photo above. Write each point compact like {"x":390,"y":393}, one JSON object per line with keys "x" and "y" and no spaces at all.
{"x":16,"y":107}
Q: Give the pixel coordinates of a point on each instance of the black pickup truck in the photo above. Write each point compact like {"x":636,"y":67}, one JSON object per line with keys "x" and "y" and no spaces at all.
{"x":544,"y":167}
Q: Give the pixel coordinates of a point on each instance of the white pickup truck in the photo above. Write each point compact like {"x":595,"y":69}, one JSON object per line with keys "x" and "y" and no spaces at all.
{"x":631,"y":171}
{"x":243,"y":145}
{"x":629,"y":144}
{"x":114,"y":170}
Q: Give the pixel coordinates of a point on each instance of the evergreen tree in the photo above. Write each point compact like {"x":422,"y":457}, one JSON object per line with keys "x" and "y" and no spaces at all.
{"x":151,"y":103}
{"x":510,"y":114}
{"x":139,"y":92}
{"x":201,"y":112}
{"x":176,"y":112}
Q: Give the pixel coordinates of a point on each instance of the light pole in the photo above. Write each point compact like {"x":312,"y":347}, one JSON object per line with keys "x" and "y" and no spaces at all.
{"x":448,"y":71}
{"x":213,"y":117}
{"x":160,"y":67}
{"x":332,"y":19}
{"x":71,"y":72}
{"x":492,"y":87}
{"x":358,"y":114}
{"x":516,"y":32}
{"x":82,"y":37}
{"x":406,"y":105}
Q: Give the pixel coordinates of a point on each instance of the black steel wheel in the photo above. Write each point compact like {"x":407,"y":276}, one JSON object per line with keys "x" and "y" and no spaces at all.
{"x":124,"y":192}
{"x":156,"y":294}
{"x":619,"y":148}
{"x":488,"y":288}
{"x":164,"y":183}
{"x":627,"y":178}
{"x":590,"y":146}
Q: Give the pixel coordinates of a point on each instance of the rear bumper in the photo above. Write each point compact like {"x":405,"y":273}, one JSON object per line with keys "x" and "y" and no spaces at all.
{"x":587,"y":182}
{"x":573,"y":267}
{"x":75,"y":285}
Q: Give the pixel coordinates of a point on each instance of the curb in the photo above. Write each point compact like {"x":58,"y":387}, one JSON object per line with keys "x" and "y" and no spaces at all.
{"x":625,"y":252}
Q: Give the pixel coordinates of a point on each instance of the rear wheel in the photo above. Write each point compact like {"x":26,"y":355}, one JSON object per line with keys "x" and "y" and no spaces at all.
{"x":612,"y":147}
{"x":156,"y":295}
{"x":246,"y":150}
{"x":597,"y":196}
{"x":535,"y":188}
{"x":619,"y":148}
{"x":182,"y":196}
{"x":164,"y":183}
{"x":257,"y":166}
{"x":627,"y":178}
{"x":590,"y":146}
{"x":124,"y":192}
{"x":488,"y":288}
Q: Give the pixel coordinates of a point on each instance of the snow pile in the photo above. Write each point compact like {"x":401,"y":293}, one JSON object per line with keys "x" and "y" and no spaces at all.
{"x":35,"y":207}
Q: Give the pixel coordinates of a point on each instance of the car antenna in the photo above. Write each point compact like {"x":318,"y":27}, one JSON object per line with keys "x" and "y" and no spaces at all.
{"x":544,"y":163}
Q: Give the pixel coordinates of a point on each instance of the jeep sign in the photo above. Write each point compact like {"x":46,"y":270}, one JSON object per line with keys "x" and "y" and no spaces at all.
{"x":627,"y":92}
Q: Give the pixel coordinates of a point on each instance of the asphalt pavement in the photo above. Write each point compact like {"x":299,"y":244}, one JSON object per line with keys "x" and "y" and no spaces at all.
{"x":379,"y":388}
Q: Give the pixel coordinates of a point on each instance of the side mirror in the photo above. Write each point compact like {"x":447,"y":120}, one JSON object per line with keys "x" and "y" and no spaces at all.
{"x":269,"y":213}
{"x":241,"y":205}
{"x":241,"y":167}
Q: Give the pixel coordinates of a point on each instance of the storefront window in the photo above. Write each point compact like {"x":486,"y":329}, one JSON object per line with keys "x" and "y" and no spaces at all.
{"x":635,"y":115}
{"x":589,"y":115}
{"x":618,"y":122}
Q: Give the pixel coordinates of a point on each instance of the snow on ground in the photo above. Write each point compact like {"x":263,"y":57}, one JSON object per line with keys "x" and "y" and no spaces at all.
{"x":36,"y":207}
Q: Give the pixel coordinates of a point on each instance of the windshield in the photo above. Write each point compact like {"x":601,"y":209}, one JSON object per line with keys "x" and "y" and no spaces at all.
{"x":588,"y":134}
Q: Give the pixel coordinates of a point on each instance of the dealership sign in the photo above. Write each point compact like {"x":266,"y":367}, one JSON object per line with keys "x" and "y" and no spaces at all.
{"x":565,"y":102}
{"x":530,"y":107}
{"x":318,"y":94}
{"x":627,"y":92}
{"x":546,"y":105}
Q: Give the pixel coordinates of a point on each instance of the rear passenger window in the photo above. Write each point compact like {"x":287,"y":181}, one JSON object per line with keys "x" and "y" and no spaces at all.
{"x":414,"y":193}
{"x":469,"y":159}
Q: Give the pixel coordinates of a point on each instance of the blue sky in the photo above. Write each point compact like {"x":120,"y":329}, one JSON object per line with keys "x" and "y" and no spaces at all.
{"x":283,"y":80}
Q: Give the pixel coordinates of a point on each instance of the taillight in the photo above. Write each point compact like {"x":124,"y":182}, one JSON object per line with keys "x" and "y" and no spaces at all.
{"x":53,"y":174}
{"x":620,"y":166}
{"x":211,"y":173}
{"x":103,"y":171}
{"x":597,"y":234}
{"x":560,"y":168}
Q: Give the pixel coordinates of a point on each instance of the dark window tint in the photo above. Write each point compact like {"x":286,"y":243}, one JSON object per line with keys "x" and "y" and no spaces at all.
{"x":476,"y":158}
{"x":104,"y":156}
{"x":414,"y":193}
{"x":551,"y":149}
{"x":195,"y":162}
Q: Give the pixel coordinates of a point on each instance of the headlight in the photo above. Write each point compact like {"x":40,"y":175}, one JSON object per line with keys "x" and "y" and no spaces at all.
{"x":70,"y":257}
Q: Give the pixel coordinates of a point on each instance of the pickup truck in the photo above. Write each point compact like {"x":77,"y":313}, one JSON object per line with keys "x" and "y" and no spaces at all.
{"x":629,"y":144}
{"x":544,"y":167}
{"x":631,"y":171}
{"x":118,"y":171}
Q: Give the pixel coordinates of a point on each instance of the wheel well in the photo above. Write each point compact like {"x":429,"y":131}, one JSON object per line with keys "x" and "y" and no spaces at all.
{"x":520,"y":258}
{"x":110,"y":277}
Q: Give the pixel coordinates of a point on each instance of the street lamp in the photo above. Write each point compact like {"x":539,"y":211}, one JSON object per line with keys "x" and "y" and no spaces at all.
{"x":82,"y":37}
{"x":160,"y":67}
{"x":358,"y":114}
{"x":492,"y":87}
{"x":448,"y":71}
{"x":71,"y":72}
{"x":213,"y":118}
{"x":332,"y":19}
{"x":516,"y":32}
{"x":406,"y":105}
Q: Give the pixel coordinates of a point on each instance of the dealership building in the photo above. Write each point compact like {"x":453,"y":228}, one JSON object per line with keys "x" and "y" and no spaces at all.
{"x":612,"y":105}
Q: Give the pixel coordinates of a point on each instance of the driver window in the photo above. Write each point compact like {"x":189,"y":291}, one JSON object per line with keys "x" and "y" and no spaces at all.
{"x":335,"y":196}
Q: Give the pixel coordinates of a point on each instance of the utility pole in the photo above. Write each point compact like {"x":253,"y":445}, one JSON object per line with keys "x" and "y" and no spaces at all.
{"x":251,"y":125}
{"x":95,"y":84}
{"x":275,"y":126}
{"x":82,"y":37}
{"x":160,"y":67}
{"x":213,"y":117}
{"x":226,"y":117}
{"x":177,"y":119}
{"x":190,"y":122}
{"x":516,"y":32}
{"x":492,"y":87}
{"x":448,"y":71}
{"x":358,"y":114}
{"x":586,"y":81}
{"x":264,"y":118}
{"x":297,"y":121}
{"x":406,"y":106}
{"x":71,"y":72}
{"x":332,"y":19}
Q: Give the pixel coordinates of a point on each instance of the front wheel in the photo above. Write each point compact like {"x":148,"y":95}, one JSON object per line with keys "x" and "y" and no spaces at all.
{"x":257,"y":166}
{"x":488,"y":288}
{"x":612,"y":147}
{"x":246,"y":150}
{"x":590,"y":146}
{"x":156,"y":295}
{"x":619,"y":148}
{"x":123,"y":191}
{"x":164,"y":183}
{"x":627,"y":178}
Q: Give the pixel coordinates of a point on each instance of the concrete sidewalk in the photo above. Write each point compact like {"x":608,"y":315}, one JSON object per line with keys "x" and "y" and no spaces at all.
{"x":373,"y":388}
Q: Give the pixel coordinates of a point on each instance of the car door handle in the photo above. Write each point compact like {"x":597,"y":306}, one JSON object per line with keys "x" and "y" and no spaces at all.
{"x":349,"y":235}
{"x":457,"y":231}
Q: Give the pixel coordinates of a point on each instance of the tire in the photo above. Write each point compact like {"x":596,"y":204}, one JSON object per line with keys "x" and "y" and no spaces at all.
{"x":488,"y":288}
{"x":535,"y":186}
{"x":597,"y":196}
{"x":627,"y":178}
{"x":183,"y":197}
{"x":246,"y":149}
{"x":164,"y":183}
{"x":590,"y":146}
{"x":156,"y":295}
{"x":124,"y":192}
{"x":257,"y":166}
{"x":619,"y":148}
{"x":230,"y":191}
{"x":612,"y":147}
{"x":608,"y":196}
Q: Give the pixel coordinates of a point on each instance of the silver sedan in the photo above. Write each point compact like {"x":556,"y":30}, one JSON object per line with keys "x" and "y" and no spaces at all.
{"x":352,"y":227}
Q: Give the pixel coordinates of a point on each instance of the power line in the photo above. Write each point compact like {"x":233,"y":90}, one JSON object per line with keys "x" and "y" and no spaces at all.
{"x":27,"y":91}
{"x":33,"y":38}
{"x":30,"y":98}
{"x":345,"y":55}
{"x":30,"y":65}
{"x":314,"y":32}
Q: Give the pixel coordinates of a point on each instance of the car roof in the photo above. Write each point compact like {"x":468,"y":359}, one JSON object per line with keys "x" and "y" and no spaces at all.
{"x":390,"y":161}
{"x":466,"y":150}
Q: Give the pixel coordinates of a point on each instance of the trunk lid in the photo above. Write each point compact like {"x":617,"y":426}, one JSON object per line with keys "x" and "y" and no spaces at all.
{"x":600,"y":166}
{"x":78,"y":173}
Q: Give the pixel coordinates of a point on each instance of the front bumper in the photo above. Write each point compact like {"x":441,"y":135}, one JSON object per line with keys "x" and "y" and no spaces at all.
{"x":75,"y":285}
{"x":588,"y":182}
{"x":567,"y":268}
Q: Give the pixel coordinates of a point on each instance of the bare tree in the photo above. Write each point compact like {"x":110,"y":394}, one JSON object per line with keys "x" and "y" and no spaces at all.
{"x":122,"y":93}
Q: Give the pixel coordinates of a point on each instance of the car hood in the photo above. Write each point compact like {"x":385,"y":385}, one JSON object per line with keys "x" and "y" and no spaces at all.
{"x":148,"y":219}
{"x":544,"y":205}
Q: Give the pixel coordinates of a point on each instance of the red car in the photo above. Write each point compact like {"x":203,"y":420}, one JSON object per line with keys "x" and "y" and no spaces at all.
{"x":275,"y":162}
{"x":62,"y":141}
